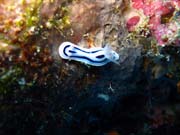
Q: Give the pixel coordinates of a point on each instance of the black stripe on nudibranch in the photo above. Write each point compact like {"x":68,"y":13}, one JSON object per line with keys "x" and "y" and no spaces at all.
{"x":93,"y":61}
{"x":72,"y":51}
{"x":100,"y":56}
{"x":80,"y":50}
{"x":64,"y":50}
{"x":86,"y":51}
{"x":96,"y":51}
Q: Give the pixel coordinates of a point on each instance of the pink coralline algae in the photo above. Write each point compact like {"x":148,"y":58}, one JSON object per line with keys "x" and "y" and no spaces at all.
{"x":132,"y":22}
{"x":160,"y":14}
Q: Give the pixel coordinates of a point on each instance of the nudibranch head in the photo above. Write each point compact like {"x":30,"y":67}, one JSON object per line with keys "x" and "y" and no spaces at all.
{"x":111,"y":54}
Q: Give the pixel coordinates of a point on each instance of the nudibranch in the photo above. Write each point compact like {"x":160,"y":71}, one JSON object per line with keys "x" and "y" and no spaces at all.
{"x":95,"y":56}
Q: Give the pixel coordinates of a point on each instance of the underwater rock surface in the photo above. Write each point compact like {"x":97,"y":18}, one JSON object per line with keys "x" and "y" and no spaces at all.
{"x":42,"y":94}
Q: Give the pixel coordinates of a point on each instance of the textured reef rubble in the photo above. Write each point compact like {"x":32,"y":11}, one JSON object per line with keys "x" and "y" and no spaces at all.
{"x":42,"y":94}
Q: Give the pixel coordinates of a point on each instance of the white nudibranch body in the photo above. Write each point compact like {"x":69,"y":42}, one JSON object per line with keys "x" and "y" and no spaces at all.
{"x":95,"y":56}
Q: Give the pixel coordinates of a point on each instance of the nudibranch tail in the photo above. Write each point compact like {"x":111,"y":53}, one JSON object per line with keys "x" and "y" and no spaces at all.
{"x":94,"y":56}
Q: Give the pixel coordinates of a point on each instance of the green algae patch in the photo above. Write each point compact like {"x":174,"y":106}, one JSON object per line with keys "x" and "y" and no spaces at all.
{"x":32,"y":13}
{"x":60,"y":20}
{"x":19,"y":18}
